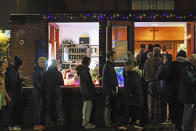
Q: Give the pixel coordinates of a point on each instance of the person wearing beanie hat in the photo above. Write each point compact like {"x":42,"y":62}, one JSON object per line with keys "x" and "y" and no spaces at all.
{"x":181,"y":56}
{"x":37,"y":93}
{"x":133,"y":93}
{"x":52,"y":80}
{"x":176,"y":81}
{"x":17,"y":62}
{"x":14,"y":89}
{"x":42,"y":60}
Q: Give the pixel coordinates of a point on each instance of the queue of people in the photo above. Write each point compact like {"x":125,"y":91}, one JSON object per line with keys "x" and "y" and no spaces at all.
{"x":152,"y":83}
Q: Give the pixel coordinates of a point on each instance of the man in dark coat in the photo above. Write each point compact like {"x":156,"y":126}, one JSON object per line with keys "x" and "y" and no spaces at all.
{"x":110,"y":86}
{"x":14,"y":89}
{"x":52,"y":81}
{"x":150,"y":70}
{"x":150,"y":49}
{"x":172,"y":79}
{"x":160,"y":76}
{"x":140,"y":58}
{"x":87,"y":90}
{"x":187,"y":93}
{"x":38,"y":92}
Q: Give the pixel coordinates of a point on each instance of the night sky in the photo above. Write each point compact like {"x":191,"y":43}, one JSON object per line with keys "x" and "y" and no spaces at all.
{"x":6,"y":7}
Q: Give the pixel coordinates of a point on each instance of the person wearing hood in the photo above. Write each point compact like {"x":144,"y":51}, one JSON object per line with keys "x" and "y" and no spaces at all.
{"x":14,"y":89}
{"x":52,"y":80}
{"x":87,"y":90}
{"x":133,"y":94}
{"x":38,"y":92}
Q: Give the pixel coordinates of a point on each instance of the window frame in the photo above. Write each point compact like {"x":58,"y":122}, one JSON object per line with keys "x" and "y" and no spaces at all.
{"x":149,"y":1}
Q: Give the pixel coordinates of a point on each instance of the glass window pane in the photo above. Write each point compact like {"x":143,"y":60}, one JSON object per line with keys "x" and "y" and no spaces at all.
{"x":160,"y":4}
{"x":169,"y":4}
{"x":136,"y":4}
{"x":119,"y":42}
{"x":195,"y":37}
{"x":145,"y":5}
{"x":153,"y":5}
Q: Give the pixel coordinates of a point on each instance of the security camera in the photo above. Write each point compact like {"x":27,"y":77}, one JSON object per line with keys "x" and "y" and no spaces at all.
{"x":21,"y":42}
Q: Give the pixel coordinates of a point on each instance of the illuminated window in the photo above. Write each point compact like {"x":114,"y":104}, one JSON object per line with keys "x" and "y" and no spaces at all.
{"x":153,"y":4}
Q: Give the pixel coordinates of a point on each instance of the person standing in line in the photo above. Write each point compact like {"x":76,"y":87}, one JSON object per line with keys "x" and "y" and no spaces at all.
{"x":133,"y":95}
{"x":14,"y":89}
{"x":140,"y":58}
{"x":110,"y":86}
{"x":187,"y":93}
{"x":87,"y":90}
{"x":52,"y":81}
{"x":4,"y":97}
{"x":38,"y":92}
{"x":160,"y":76}
{"x":173,"y":77}
{"x":150,"y":70}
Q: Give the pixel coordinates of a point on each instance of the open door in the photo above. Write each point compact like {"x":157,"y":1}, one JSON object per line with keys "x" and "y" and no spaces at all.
{"x":120,"y":38}
{"x":193,"y":37}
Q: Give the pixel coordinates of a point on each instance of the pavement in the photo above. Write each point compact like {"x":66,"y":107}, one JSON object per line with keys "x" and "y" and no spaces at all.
{"x":100,"y":127}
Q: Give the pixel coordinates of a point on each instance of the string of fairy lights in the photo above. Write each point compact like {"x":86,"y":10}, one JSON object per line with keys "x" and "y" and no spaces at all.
{"x":118,"y":16}
{"x":102,"y":18}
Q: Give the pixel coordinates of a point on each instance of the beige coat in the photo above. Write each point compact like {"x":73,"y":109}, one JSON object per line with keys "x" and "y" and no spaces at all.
{"x":2,"y":89}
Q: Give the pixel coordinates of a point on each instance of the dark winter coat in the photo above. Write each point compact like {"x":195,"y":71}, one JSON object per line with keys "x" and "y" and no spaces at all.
{"x":38,"y":74}
{"x":87,"y":88}
{"x":140,"y":60}
{"x":172,"y":79}
{"x":52,"y":81}
{"x":150,"y":68}
{"x":110,"y":81}
{"x":161,"y":73}
{"x":13,"y":83}
{"x":133,"y":92}
{"x":187,"y":91}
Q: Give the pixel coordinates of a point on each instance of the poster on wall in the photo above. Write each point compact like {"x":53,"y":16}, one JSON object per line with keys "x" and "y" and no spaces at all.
{"x":94,"y":50}
{"x":121,"y":50}
{"x":76,"y":53}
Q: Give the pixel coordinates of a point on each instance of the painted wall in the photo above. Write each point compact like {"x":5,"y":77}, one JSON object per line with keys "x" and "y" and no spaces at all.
{"x":73,"y":31}
{"x":162,"y":33}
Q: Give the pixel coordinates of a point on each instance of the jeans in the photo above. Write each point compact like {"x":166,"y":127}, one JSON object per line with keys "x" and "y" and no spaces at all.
{"x":56,"y":102}
{"x":132,"y":112}
{"x":188,"y":119}
{"x":154,"y":99}
{"x":38,"y":104}
{"x":109,"y":105}
{"x":15,"y":109}
{"x":87,"y":109}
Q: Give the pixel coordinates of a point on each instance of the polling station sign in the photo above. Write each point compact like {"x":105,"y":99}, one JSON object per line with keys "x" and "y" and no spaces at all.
{"x":77,"y":53}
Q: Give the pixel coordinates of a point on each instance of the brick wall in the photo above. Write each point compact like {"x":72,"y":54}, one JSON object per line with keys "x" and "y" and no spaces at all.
{"x":29,"y":32}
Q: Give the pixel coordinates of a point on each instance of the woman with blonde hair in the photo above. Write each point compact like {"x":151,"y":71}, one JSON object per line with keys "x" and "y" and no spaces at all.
{"x":3,"y":93}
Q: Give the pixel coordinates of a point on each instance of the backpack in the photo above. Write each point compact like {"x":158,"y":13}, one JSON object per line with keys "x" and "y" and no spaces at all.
{"x":187,"y":92}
